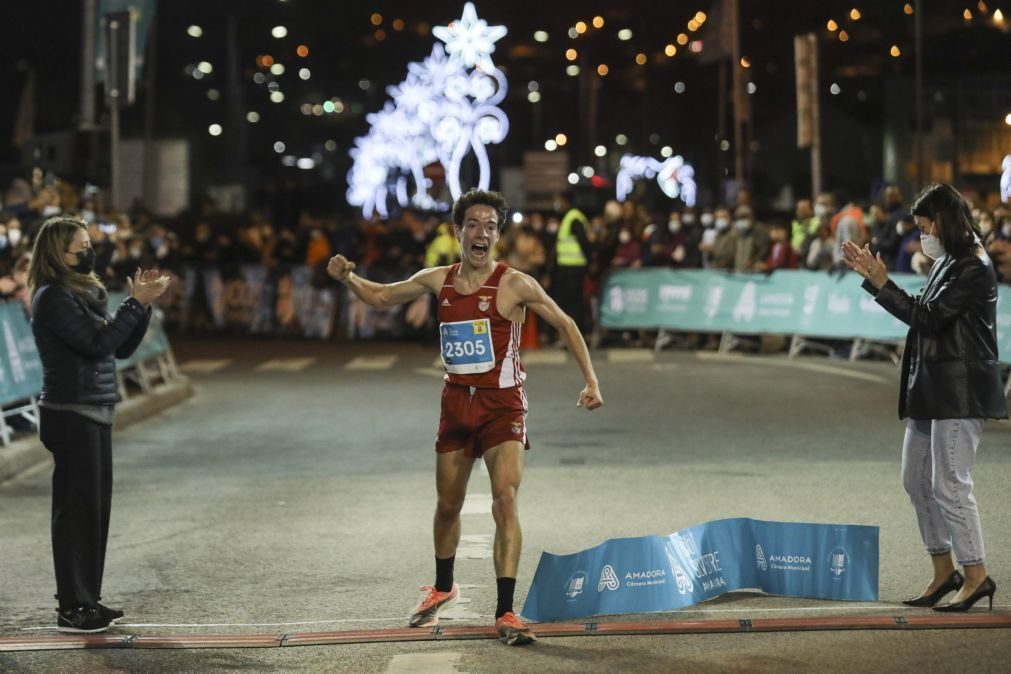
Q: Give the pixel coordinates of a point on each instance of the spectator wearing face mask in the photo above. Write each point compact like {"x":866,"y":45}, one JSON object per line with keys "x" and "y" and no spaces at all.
{"x":745,"y":247}
{"x":686,"y":254}
{"x":629,"y":252}
{"x":715,"y":225}
{"x":999,"y":247}
{"x":909,"y":244}
{"x":659,"y":241}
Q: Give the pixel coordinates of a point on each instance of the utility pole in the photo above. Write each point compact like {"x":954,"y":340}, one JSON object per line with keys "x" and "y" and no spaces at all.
{"x":805,"y":50}
{"x":736,"y":83}
{"x":918,"y":93}
{"x":148,"y":190}
{"x":112,"y":81}
{"x":87,"y":120}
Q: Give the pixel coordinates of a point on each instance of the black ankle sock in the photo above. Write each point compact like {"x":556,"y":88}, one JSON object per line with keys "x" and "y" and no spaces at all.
{"x":506,"y":588}
{"x":444,"y":574}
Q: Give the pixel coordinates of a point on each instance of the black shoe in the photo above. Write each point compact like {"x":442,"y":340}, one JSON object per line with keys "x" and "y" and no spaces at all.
{"x":113,"y":615}
{"x":985,"y":589}
{"x":81,"y":620}
{"x":953,"y":584}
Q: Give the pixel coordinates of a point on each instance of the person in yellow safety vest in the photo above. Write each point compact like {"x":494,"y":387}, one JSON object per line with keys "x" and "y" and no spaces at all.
{"x":804,"y":227}
{"x":571,"y":259}
{"x":443,"y":249}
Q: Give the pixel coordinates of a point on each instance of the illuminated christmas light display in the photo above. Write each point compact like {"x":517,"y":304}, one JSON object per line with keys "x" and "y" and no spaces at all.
{"x":445,"y":109}
{"x":1005,"y":180}
{"x":675,"y":177}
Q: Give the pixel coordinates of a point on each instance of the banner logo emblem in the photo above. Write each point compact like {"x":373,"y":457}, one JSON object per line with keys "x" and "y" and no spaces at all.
{"x":574,"y":586}
{"x":682,"y":579}
{"x":760,"y":558}
{"x":608,"y":579}
{"x":837,"y":562}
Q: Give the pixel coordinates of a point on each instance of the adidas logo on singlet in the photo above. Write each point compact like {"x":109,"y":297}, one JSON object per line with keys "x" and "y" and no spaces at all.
{"x":445,"y":303}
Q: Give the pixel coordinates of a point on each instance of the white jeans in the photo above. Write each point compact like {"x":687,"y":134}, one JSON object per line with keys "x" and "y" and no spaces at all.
{"x":937,"y":456}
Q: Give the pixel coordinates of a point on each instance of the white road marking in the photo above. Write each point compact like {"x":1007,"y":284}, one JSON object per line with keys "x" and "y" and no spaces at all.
{"x":460,"y":611}
{"x":438,"y":363}
{"x":430,"y":372}
{"x":204,"y":365}
{"x":797,"y":365}
{"x":475,"y":546}
{"x":286,"y":364}
{"x":424,"y":663}
{"x":545,"y":357}
{"x":630,"y":355}
{"x":476,"y":504}
{"x":371,"y":363}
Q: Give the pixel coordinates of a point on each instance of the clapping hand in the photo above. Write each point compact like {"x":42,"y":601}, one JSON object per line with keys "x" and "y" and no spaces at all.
{"x":147,"y":286}
{"x":863,"y":262}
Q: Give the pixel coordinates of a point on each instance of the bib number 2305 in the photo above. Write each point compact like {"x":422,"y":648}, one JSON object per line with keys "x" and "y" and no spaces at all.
{"x":467,"y":346}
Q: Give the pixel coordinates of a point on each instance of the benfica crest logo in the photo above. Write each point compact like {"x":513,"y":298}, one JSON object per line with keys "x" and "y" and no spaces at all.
{"x":484,"y":303}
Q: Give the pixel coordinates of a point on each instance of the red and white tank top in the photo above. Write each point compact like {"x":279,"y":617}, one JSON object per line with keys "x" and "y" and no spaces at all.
{"x":479,"y":347}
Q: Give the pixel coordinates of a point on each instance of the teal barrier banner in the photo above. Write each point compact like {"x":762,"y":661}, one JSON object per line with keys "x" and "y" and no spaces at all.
{"x":666,"y":573}
{"x":20,"y":367}
{"x":808,"y":303}
{"x":155,"y":340}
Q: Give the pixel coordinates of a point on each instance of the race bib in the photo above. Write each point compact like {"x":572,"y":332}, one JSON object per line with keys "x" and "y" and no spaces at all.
{"x":467,"y":347}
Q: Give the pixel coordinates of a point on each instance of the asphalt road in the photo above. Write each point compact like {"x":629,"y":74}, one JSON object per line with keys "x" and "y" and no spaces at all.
{"x":295,"y":492}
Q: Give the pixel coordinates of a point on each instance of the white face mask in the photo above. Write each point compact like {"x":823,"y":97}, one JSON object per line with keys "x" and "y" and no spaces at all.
{"x":821,"y":210}
{"x":1006,"y":230}
{"x":14,"y":235}
{"x":673,"y":226}
{"x":742,"y":225}
{"x":689,"y":218}
{"x":624,"y":236}
{"x":50,"y":210}
{"x":88,"y":216}
{"x":898,"y":229}
{"x":931,"y":245}
{"x":707,"y":219}
{"x":722,"y":223}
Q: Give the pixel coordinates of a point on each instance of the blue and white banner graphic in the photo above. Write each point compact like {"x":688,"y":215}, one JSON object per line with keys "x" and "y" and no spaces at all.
{"x":656,"y":573}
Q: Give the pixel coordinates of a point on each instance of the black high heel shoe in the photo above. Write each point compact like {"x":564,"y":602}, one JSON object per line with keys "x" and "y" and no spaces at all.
{"x":953,"y":584}
{"x":985,"y":589}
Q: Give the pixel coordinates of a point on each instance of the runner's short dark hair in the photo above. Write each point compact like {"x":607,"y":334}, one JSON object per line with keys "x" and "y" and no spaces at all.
{"x":483,"y":198}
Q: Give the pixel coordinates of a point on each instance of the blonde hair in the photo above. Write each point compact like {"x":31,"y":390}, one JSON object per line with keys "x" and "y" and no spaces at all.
{"x":47,"y":264}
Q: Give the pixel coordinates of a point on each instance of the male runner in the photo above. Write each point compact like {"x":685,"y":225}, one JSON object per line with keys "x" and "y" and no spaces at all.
{"x":482,"y":306}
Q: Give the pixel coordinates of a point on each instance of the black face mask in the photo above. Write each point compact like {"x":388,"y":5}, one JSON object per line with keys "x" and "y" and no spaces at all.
{"x":85,"y":261}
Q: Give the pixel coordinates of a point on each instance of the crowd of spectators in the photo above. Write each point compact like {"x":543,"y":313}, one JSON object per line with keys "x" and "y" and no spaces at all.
{"x":615,"y":236}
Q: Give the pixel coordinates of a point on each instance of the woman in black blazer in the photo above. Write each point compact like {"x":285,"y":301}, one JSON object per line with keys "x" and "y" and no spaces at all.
{"x":951,"y":383}
{"x":78,"y":342}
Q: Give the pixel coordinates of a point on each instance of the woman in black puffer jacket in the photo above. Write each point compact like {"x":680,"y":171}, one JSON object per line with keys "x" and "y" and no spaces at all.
{"x":950,"y":384}
{"x":78,"y":342}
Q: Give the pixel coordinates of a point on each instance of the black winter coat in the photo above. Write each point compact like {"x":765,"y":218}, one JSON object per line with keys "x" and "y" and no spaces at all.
{"x":949,"y":366}
{"x":79,"y":342}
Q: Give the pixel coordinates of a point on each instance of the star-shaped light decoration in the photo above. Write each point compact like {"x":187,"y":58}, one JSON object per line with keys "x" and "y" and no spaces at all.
{"x":470,"y":40}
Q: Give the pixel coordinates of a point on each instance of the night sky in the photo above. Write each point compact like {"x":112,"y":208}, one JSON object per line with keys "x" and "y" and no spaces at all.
{"x":639,"y":101}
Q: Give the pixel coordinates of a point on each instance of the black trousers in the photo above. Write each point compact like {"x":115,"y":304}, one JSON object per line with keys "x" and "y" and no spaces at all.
{"x":82,"y":497}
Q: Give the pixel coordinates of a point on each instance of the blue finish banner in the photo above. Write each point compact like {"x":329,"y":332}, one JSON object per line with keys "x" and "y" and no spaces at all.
{"x":657,"y":573}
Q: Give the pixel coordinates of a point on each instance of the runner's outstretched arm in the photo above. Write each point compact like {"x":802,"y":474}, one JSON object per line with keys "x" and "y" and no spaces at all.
{"x":385,"y":295}
{"x":532,"y":296}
